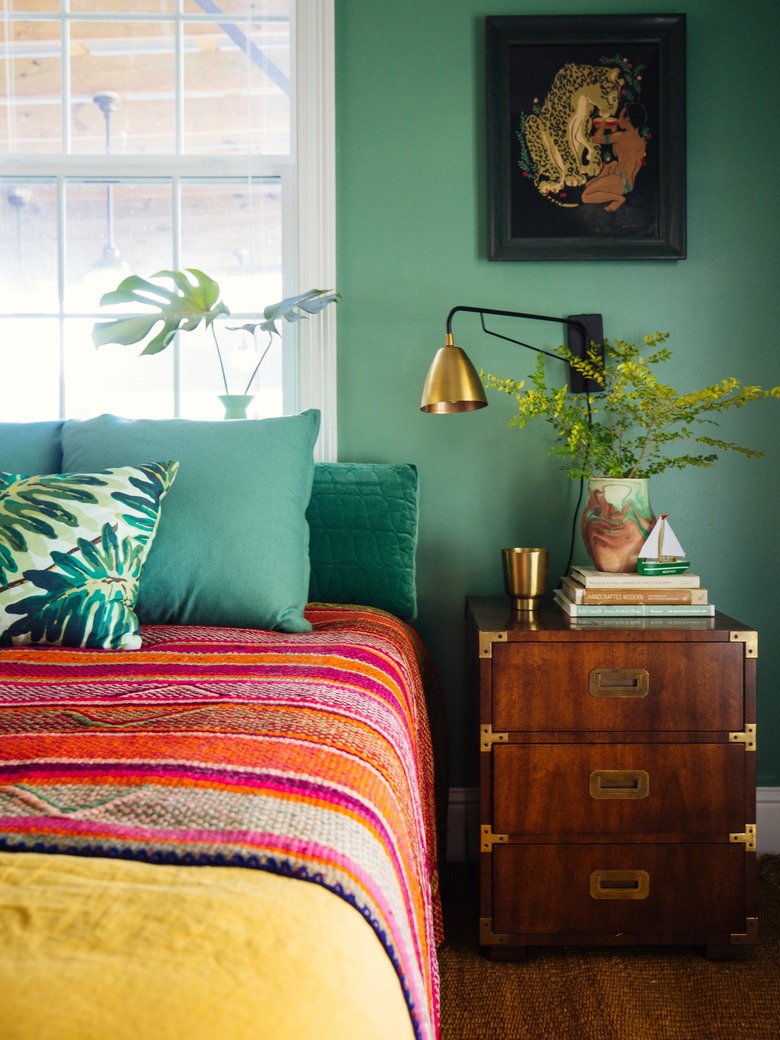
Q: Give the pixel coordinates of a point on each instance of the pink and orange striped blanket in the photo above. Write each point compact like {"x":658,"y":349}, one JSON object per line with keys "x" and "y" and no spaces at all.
{"x":305,"y":755}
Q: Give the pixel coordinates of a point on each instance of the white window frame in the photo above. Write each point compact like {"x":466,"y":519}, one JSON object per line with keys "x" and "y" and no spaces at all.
{"x":315,"y":263}
{"x":309,"y":250}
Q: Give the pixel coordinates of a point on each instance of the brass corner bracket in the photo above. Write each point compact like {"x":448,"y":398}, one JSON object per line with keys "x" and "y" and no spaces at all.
{"x":486,"y":640}
{"x":488,"y":737}
{"x":749,"y":936}
{"x":746,"y":838}
{"x":487,"y":937}
{"x":489,"y":839}
{"x":746,"y":736}
{"x":749,"y":638}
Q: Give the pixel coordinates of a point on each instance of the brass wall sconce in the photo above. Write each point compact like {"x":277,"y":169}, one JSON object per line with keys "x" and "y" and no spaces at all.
{"x":453,"y":384}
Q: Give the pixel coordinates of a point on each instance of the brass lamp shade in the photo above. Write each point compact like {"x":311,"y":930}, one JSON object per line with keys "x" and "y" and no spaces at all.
{"x":452,"y":383}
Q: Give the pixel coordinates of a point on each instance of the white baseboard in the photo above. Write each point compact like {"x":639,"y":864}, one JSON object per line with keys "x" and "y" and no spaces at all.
{"x":463,"y":822}
{"x":768,"y":819}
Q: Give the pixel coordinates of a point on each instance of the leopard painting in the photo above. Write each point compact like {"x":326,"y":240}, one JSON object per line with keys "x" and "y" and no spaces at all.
{"x":559,"y":136}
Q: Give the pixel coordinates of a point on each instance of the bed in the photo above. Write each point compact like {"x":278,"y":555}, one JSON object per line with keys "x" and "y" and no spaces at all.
{"x":226,"y":823}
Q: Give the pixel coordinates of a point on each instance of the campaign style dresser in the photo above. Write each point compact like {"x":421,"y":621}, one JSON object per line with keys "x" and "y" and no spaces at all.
{"x":617,"y":780}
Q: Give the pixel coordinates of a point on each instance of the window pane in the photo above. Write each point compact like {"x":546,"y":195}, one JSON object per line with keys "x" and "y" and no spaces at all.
{"x":234,"y":235}
{"x":28,"y":246}
{"x":236,"y":88}
{"x":135,"y":61}
{"x":30,"y":101}
{"x":111,"y":230}
{"x":264,"y":8}
{"x":30,"y":6}
{"x":119,"y":7}
{"x":230,"y":230}
{"x":114,"y":378}
{"x":29,"y":356}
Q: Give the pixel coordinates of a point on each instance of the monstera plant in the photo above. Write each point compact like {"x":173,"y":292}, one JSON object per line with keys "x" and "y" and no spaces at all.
{"x":192,"y":299}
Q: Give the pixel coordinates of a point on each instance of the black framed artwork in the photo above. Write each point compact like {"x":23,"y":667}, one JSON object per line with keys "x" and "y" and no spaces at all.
{"x":586,"y":137}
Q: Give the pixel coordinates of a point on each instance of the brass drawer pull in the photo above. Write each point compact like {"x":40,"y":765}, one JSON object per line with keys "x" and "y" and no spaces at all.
{"x":619,"y":783}
{"x":619,"y":682}
{"x":620,"y":884}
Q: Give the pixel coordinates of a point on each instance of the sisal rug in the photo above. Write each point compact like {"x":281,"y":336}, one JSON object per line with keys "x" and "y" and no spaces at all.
{"x":593,"y":993}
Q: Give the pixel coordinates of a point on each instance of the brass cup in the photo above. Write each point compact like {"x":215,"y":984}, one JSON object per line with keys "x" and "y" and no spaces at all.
{"x":525,"y":576}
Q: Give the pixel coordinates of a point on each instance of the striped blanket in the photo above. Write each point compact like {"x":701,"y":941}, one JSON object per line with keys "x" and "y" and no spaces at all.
{"x":307,"y":755}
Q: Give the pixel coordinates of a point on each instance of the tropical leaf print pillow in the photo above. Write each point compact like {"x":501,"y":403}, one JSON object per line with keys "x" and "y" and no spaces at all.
{"x":72,"y":547}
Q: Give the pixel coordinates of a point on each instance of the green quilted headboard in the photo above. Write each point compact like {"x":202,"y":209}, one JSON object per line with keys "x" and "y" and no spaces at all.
{"x":363,"y":535}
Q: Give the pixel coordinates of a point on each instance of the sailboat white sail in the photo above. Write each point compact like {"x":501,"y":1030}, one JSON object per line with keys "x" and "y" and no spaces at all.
{"x":661,"y":543}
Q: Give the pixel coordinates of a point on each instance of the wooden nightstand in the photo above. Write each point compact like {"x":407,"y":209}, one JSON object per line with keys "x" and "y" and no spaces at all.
{"x":617,"y":780}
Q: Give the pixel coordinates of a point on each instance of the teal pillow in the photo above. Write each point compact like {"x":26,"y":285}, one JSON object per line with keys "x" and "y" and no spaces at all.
{"x":72,"y":548}
{"x":32,"y":447}
{"x":233,"y":544}
{"x":364,"y":519}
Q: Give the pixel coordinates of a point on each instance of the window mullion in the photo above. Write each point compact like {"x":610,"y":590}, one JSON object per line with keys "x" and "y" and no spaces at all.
{"x":176,"y":193}
{"x":315,"y":171}
{"x":67,"y":146}
{"x":62,"y":260}
{"x":179,"y":76}
{"x":176,"y":257}
{"x":65,"y":81}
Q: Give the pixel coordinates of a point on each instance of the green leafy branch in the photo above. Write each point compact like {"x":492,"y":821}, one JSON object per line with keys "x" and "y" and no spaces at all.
{"x":628,"y":429}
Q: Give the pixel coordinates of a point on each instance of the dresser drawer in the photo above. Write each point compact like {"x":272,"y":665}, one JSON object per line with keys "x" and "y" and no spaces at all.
{"x":637,"y":792}
{"x":619,"y":893}
{"x":617,"y":686}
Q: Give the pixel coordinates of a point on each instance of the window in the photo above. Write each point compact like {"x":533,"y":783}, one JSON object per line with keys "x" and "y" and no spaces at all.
{"x":140,"y":135}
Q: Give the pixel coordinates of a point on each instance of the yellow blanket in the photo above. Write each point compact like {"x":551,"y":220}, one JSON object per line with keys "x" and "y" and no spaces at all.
{"x":99,"y":948}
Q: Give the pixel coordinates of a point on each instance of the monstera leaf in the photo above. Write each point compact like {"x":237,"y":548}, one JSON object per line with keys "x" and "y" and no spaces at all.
{"x":294,"y":308}
{"x":183,"y":307}
{"x":94,"y":588}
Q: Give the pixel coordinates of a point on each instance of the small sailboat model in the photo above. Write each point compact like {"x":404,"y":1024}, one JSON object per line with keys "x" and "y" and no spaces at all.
{"x":662,"y":552}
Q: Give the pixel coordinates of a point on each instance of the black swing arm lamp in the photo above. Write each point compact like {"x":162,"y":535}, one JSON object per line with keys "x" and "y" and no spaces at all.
{"x":453,"y":384}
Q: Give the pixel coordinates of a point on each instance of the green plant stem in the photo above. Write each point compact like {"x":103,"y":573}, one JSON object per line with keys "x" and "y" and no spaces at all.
{"x":259,"y":363}
{"x":219,"y":355}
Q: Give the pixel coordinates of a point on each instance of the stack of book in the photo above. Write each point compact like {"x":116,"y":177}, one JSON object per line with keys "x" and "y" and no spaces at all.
{"x":587,"y":593}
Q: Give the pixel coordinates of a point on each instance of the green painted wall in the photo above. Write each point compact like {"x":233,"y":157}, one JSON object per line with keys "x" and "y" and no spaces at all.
{"x":411,"y":227}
